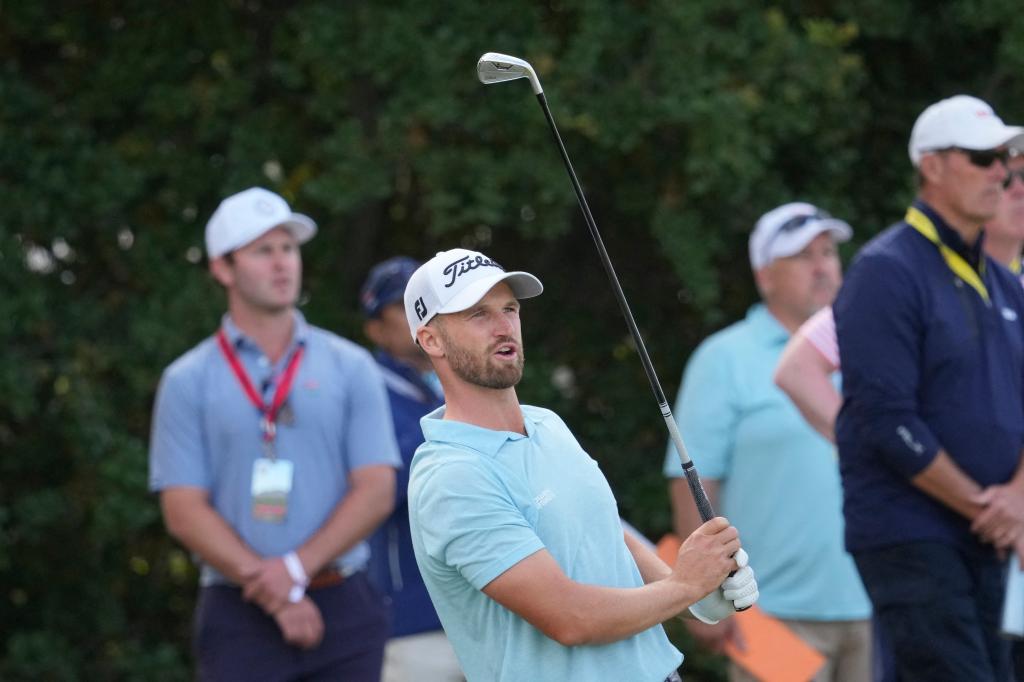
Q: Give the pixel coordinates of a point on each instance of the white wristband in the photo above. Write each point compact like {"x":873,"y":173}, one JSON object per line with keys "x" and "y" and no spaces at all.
{"x":296,"y":594}
{"x":293,"y":565}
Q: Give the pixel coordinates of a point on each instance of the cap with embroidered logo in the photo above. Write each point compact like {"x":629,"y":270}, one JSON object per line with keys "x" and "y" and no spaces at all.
{"x":455,"y":280}
{"x":962,"y":122}
{"x":247,"y":216}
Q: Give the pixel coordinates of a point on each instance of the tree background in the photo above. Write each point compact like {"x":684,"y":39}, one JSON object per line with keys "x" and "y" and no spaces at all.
{"x":123,"y":123}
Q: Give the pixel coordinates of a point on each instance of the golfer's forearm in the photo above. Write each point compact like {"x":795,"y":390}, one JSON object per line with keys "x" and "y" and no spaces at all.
{"x":599,"y":615}
{"x":194,"y":523}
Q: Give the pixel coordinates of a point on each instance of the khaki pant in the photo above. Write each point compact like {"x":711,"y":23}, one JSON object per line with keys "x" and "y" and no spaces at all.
{"x":425,"y":657}
{"x":845,"y":644}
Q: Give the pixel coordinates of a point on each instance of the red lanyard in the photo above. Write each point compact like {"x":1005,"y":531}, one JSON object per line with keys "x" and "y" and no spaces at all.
{"x":268,"y":421}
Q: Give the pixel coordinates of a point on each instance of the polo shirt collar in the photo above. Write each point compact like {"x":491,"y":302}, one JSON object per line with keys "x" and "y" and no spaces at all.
{"x":239,"y":340}
{"x":765,"y":326}
{"x":485,"y":441}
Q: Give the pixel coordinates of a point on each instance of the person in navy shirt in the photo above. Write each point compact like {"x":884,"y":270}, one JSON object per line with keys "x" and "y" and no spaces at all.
{"x":418,"y":648}
{"x":930,"y":433}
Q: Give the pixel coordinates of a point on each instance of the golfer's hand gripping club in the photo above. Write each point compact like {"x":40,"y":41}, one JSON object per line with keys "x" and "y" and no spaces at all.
{"x":494,"y":67}
{"x":737,"y":593}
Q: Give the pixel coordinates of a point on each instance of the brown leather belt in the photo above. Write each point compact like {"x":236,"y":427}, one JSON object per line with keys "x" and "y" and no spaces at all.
{"x":328,"y":577}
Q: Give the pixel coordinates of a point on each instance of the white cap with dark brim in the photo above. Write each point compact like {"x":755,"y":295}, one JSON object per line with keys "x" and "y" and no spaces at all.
{"x":455,"y":280}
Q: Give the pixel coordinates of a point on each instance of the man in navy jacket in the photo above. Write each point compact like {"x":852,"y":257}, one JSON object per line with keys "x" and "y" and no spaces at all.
{"x":418,"y":648}
{"x":931,"y":340}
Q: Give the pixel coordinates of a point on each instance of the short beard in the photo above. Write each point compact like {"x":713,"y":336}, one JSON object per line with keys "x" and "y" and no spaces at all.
{"x":477,"y":370}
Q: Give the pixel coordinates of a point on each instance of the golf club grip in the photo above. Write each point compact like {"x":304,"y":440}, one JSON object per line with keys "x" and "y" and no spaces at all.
{"x":700,"y":498}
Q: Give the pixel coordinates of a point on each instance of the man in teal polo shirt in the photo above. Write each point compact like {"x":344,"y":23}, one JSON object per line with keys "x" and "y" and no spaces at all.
{"x":769,"y":472}
{"x":515,"y":529}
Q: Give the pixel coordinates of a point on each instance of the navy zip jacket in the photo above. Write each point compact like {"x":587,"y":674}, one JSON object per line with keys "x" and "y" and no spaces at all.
{"x":928,"y":363}
{"x":392,"y":565}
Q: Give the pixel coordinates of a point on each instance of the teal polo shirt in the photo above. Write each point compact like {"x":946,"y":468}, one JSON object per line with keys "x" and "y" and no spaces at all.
{"x":779,"y":480}
{"x":480,"y":501}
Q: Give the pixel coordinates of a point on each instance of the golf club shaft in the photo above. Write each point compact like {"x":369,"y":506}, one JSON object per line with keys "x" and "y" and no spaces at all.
{"x":700,"y":498}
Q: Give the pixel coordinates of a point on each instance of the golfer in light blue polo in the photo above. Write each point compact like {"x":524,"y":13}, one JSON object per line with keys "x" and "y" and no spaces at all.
{"x":515,"y":528}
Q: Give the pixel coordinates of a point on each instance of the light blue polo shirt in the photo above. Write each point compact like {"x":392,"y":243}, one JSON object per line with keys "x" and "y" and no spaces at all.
{"x":779,"y":479}
{"x":480,"y":501}
{"x":206,"y":433}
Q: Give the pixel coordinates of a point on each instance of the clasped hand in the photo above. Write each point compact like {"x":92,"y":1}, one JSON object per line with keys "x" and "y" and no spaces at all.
{"x":1001,"y":521}
{"x":269,"y":586}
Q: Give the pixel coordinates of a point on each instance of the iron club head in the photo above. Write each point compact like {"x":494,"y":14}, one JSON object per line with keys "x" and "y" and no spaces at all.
{"x":495,"y":67}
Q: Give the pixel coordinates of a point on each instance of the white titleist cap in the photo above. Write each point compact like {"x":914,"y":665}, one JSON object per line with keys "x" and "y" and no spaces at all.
{"x":250,"y":214}
{"x":786,"y":230}
{"x":964,"y":122}
{"x":455,"y":280}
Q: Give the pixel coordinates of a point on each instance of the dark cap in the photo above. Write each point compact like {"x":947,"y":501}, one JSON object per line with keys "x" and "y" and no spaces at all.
{"x":386,"y":284}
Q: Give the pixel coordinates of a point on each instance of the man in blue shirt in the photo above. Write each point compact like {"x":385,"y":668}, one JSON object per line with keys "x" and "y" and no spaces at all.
{"x":515,"y":529}
{"x":274,"y":458}
{"x":775,"y":477}
{"x":418,"y":648}
{"x":932,"y":424}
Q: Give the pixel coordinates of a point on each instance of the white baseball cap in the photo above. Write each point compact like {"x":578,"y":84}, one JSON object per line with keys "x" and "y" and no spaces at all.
{"x":250,"y":214}
{"x":786,"y":230}
{"x":455,"y":280}
{"x":964,"y":122}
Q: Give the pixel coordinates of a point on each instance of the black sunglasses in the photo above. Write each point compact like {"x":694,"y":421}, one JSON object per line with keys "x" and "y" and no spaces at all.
{"x":982,"y":158}
{"x":796,"y":222}
{"x":1010,"y":175}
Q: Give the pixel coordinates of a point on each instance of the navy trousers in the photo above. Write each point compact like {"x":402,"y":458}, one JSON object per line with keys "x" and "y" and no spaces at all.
{"x":938,"y":607}
{"x":236,"y":640}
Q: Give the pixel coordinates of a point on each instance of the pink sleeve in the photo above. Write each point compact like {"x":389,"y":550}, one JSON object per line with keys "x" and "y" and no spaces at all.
{"x":820,"y":330}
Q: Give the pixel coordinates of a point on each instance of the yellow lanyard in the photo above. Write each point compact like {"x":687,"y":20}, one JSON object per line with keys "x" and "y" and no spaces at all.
{"x":1015,"y":266}
{"x":923,"y":224}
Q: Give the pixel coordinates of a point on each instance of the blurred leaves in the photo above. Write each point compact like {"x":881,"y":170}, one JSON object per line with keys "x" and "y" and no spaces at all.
{"x":125,"y":122}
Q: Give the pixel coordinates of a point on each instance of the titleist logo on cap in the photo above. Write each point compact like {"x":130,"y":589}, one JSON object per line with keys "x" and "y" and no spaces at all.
{"x":461,"y":266}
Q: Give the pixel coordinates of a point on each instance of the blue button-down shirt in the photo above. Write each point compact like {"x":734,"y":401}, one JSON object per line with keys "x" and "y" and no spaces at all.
{"x":206,"y":433}
{"x":927,"y":363}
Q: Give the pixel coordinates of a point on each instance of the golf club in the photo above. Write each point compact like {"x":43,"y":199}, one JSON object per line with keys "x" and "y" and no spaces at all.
{"x":494,"y":67}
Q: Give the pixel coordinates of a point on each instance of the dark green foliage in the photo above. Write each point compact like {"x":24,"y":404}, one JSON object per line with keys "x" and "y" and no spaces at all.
{"x":122,"y":124}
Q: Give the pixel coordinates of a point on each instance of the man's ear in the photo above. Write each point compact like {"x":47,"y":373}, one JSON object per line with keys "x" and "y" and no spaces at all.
{"x":430,"y":341}
{"x":931,"y":168}
{"x":222,"y":272}
{"x":763,"y":279}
